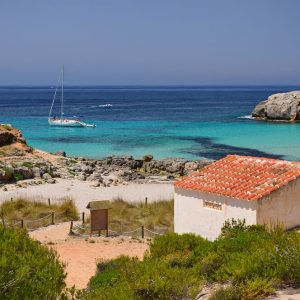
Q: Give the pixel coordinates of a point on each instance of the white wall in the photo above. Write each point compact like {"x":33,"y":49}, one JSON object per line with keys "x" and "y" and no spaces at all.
{"x":281,"y":207}
{"x":191,"y":217}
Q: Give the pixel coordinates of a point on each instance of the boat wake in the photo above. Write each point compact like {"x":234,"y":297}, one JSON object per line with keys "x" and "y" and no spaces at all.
{"x":246,"y":117}
{"x":105,"y":105}
{"x":101,"y":105}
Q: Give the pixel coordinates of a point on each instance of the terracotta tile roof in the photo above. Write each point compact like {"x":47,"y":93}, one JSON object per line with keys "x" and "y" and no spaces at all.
{"x":242,"y":177}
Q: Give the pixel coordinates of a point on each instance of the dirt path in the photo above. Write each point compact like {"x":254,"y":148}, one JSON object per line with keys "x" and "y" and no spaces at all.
{"x":81,"y":254}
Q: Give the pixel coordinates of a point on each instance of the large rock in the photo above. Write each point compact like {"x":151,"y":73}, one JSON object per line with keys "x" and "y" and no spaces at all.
{"x":7,"y":138}
{"x":36,"y":172}
{"x":46,"y":176}
{"x":25,"y":172}
{"x":124,"y":161}
{"x":283,"y":106}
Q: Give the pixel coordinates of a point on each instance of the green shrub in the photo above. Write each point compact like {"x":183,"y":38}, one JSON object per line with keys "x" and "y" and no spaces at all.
{"x":9,"y":173}
{"x":28,"y":165}
{"x":256,"y":289}
{"x":252,"y":259}
{"x":171,"y":243}
{"x":28,"y":270}
{"x":18,"y":176}
{"x":226,"y":293}
{"x":132,"y":279}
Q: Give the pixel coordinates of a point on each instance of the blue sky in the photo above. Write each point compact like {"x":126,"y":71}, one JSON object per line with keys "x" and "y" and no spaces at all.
{"x":194,"y":42}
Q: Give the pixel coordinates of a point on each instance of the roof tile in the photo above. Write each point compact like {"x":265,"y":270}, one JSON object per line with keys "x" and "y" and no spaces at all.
{"x":242,"y":177}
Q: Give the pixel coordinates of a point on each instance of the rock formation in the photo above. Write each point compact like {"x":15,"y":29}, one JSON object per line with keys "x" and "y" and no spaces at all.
{"x":11,"y":142}
{"x":281,"y":107}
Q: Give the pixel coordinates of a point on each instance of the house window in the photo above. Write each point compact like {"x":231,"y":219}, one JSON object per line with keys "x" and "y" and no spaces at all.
{"x":212,"y":205}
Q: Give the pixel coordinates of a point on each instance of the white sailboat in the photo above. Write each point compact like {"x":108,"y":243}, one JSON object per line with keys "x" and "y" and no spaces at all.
{"x":61,"y":120}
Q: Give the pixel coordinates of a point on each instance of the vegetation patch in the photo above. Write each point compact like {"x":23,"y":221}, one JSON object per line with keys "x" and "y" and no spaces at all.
{"x":124,"y":216}
{"x":27,"y":164}
{"x":6,"y":127}
{"x":250,"y":261}
{"x":10,"y":150}
{"x":29,"y":211}
{"x":28,"y":270}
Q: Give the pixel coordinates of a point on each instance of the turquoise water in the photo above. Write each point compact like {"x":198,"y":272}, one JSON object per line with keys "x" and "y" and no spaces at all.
{"x":185,"y":122}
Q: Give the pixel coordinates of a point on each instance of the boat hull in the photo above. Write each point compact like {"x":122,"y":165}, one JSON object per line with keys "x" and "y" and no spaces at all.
{"x":65,"y":123}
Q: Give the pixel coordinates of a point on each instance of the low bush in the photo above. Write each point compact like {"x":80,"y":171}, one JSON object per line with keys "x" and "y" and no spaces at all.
{"x":18,"y":176}
{"x":9,"y":173}
{"x":226,"y":293}
{"x":28,"y":270}
{"x":129,"y":278}
{"x":172,"y":243}
{"x":252,"y":259}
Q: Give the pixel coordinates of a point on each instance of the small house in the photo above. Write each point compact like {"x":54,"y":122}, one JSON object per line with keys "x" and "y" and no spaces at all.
{"x":259,"y":190}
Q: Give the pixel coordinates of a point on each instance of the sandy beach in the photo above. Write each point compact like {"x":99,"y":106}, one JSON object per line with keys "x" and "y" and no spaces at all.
{"x":82,"y":192}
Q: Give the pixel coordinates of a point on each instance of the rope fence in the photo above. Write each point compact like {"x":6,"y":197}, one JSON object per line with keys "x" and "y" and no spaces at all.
{"x":79,"y":230}
{"x":139,"y":232}
{"x":33,"y":224}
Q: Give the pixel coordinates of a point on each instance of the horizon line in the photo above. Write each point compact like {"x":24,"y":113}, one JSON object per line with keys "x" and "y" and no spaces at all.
{"x":153,"y":85}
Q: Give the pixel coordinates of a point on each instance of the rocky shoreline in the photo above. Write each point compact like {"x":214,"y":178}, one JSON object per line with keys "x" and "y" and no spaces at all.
{"x":113,"y":170}
{"x":28,"y":166}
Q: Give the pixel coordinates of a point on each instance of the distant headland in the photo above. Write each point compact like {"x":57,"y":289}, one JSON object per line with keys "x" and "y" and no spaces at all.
{"x":279,"y":107}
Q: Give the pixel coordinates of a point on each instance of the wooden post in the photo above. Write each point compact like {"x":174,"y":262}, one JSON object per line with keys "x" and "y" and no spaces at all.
{"x":52,"y":218}
{"x":143,"y":232}
{"x":146,"y":201}
{"x":83,"y":218}
{"x":71,"y":228}
{"x":11,"y":199}
{"x":49,"y":203}
{"x":99,"y":233}
{"x":22,"y":223}
{"x":2,"y":217}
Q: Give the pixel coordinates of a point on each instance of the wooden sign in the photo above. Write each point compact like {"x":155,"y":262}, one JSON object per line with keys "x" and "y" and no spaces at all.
{"x":99,"y":215}
{"x":99,"y":219}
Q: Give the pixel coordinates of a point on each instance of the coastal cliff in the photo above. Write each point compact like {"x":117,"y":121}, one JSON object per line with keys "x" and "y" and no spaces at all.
{"x":11,"y":142}
{"x":279,"y":107}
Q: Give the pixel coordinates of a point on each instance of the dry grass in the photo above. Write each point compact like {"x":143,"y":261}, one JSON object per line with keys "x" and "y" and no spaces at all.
{"x":28,"y":210}
{"x":124,"y":216}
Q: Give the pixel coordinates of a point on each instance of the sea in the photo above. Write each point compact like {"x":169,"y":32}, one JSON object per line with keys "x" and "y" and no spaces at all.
{"x":192,"y":122}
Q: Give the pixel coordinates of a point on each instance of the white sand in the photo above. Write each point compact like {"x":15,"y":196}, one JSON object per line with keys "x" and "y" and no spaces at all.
{"x":81,"y":192}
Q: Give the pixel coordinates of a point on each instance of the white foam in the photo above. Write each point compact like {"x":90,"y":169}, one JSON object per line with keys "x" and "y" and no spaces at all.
{"x":246,"y":117}
{"x":105,"y":105}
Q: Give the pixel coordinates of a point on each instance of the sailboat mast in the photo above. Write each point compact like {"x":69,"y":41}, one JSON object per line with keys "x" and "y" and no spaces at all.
{"x":57,"y":87}
{"x":62,"y":94}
